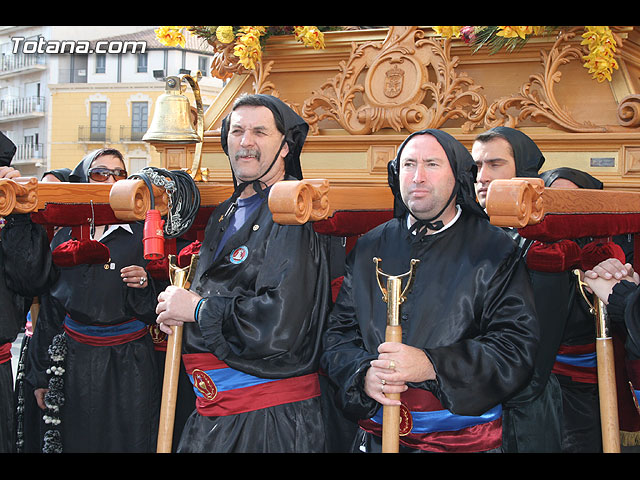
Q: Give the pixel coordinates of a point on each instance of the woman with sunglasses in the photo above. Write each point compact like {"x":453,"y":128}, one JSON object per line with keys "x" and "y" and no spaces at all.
{"x":111,"y":386}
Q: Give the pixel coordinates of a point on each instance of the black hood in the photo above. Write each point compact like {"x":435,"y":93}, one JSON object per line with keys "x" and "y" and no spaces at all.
{"x":295,"y":132}
{"x":7,"y":150}
{"x":528,"y":157}
{"x":61,"y":174}
{"x":580,"y":178}
{"x":463,"y":167}
{"x":80,"y":173}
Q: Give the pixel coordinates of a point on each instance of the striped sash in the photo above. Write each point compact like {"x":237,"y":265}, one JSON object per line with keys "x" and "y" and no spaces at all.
{"x":426,"y":425}
{"x":105,"y":335}
{"x":221,"y":390}
{"x":578,"y":362}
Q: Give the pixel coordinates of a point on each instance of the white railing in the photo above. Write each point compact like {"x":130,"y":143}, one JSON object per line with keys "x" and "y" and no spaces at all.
{"x":17,"y":107}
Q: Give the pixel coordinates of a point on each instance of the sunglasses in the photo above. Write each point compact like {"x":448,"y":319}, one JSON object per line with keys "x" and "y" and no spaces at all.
{"x":101,"y":174}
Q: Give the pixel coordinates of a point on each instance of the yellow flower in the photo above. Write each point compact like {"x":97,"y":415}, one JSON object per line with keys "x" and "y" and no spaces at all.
{"x":170,"y":36}
{"x":250,"y":36}
{"x":512,"y":32}
{"x":602,"y":46}
{"x":309,"y":36}
{"x":225,"y":34}
{"x":247,"y":56}
{"x":448,"y":32}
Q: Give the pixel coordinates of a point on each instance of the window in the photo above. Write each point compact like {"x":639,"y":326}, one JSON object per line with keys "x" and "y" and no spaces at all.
{"x":139,"y":119}
{"x":98,"y":121}
{"x":203,"y":66}
{"x":142,"y":62}
{"x":101,"y":62}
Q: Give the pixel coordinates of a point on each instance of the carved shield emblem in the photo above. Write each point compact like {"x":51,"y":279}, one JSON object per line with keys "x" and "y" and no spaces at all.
{"x":393,"y":82}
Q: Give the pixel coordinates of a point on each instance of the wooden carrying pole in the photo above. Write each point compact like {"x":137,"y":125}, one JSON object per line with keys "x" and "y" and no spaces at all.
{"x":394,"y":296}
{"x":182,"y":278}
{"x":393,"y":333}
{"x":605,"y":361}
{"x":606,"y":382}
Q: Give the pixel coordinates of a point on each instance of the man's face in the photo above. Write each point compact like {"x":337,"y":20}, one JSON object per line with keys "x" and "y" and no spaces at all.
{"x":253,"y":142}
{"x":494,"y":160}
{"x":426,"y":178}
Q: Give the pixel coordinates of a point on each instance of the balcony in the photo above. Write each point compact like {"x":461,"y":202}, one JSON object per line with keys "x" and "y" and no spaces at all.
{"x":16,"y":64}
{"x":87,"y":134}
{"x":129,"y":134}
{"x":29,"y":153}
{"x":21,"y":108}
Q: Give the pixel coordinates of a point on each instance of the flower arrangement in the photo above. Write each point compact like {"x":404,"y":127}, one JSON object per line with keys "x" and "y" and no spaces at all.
{"x":249,"y":40}
{"x":599,"y":40}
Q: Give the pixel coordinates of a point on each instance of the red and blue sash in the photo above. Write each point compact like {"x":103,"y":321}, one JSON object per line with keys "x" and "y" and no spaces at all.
{"x":578,"y":362}
{"x":221,"y":390}
{"x":426,"y":425}
{"x":105,"y":335}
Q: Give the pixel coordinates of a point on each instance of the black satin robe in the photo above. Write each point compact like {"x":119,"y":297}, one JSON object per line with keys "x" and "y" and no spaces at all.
{"x":20,"y":281}
{"x":470,"y":309}
{"x":112,"y":393}
{"x":264,"y":317}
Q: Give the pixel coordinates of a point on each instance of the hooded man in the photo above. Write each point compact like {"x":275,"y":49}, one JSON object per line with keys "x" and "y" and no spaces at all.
{"x":258,"y":303}
{"x":468,"y":323}
{"x":532,"y":418}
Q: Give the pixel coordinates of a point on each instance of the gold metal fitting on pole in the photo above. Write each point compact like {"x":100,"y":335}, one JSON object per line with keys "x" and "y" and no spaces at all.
{"x":394,"y":295}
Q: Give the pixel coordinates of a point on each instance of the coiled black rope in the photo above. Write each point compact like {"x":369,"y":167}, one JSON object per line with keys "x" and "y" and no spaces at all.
{"x":184,"y":197}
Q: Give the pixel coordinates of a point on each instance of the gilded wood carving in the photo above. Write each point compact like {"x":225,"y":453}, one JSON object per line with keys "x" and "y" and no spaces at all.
{"x":410,"y":82}
{"x":537,"y":99}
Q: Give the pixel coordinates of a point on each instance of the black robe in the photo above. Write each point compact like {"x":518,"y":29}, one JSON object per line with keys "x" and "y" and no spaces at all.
{"x":112,"y":392}
{"x":470,"y":309}
{"x":19,"y":283}
{"x":263,"y":316}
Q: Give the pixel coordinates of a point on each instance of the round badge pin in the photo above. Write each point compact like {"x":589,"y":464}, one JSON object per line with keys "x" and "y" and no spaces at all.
{"x":239,"y":255}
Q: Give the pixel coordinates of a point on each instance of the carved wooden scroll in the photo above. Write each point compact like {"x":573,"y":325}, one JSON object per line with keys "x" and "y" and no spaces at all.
{"x":296,"y":202}
{"x":410,"y":82}
{"x":524,"y":201}
{"x":130,"y":199}
{"x":19,"y":195}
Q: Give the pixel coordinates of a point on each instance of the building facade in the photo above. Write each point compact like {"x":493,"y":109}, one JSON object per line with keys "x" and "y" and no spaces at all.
{"x":66,"y":91}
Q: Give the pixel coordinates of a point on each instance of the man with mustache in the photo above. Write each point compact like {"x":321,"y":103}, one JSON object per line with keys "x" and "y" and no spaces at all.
{"x":256,"y":309}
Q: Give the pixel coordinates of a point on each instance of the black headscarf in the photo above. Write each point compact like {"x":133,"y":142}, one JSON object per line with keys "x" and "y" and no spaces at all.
{"x":464,"y":170}
{"x":295,"y":133}
{"x":580,"y":178}
{"x":7,"y":150}
{"x":528,"y":157}
{"x":80,"y":174}
{"x":61,"y":174}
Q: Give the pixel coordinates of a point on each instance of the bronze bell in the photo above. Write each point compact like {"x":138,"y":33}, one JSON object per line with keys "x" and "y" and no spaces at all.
{"x":171,"y":121}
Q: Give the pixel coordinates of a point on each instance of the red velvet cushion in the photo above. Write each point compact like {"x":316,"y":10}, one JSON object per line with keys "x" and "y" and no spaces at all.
{"x":76,"y":252}
{"x":598,"y":251}
{"x":553,"y":257}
